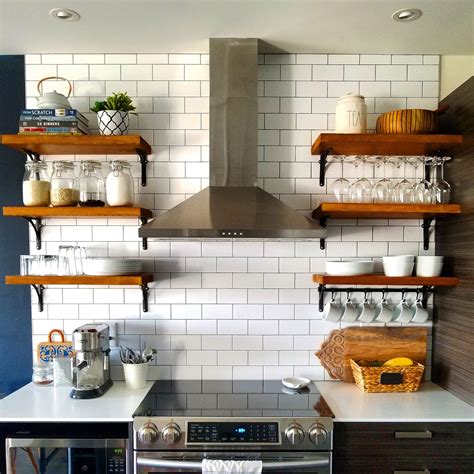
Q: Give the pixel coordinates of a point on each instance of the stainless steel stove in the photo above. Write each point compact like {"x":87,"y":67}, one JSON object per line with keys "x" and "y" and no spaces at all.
{"x":180,"y":423}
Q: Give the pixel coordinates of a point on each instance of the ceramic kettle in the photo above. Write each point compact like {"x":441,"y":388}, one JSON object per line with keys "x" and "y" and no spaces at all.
{"x":53,"y":100}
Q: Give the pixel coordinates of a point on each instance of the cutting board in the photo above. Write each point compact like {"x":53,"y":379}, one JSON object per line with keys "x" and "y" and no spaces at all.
{"x":378,"y":343}
{"x":50,"y":349}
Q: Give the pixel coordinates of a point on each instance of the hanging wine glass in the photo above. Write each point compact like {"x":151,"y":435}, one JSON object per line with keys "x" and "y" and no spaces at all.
{"x":383,"y":190}
{"x":404,"y":189}
{"x":441,"y":188}
{"x":342,"y":186}
{"x":362,"y":188}
{"x":422,"y":192}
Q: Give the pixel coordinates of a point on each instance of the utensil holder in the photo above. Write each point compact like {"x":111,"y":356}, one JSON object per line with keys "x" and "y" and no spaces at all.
{"x":135,"y":375}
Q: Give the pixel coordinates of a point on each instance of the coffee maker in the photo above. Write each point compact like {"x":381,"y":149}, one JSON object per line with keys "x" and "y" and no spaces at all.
{"x":91,"y":361}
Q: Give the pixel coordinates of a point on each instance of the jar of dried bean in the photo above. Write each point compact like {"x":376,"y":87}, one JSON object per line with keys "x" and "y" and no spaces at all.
{"x":64,"y":185}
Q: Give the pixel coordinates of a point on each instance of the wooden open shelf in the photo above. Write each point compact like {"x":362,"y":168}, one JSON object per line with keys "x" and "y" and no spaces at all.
{"x":77,"y":145}
{"x":383,"y":144}
{"x":76,"y":212}
{"x":37,"y":282}
{"x":335,"y":210}
{"x":138,"y":279}
{"x":380,"y":280}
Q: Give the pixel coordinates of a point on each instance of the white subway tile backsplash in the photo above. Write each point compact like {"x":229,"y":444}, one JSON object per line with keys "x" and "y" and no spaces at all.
{"x":228,"y":309}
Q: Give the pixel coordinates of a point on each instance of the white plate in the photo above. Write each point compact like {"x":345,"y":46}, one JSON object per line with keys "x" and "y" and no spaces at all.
{"x":296,"y":383}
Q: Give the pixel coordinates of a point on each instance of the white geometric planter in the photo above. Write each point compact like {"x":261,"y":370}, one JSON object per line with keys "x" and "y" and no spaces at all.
{"x":112,"y":122}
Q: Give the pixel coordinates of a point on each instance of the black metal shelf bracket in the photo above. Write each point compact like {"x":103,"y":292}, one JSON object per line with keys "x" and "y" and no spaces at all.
{"x":143,"y":160}
{"x":32,"y":155}
{"x":35,"y":222}
{"x":144,"y":220}
{"x":426,"y":231}
{"x":322,"y":165}
{"x":39,"y":291}
{"x":144,"y":289}
{"x":425,"y":290}
{"x":323,"y":223}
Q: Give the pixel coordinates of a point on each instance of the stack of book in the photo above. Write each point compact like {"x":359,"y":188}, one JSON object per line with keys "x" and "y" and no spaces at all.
{"x":53,"y":122}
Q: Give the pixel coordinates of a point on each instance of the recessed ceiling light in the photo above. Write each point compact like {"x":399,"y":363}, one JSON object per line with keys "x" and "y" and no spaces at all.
{"x":406,"y":14}
{"x":64,"y":14}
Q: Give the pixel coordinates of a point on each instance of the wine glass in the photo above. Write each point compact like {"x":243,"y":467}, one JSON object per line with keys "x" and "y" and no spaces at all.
{"x":362,"y":188}
{"x":342,"y":186}
{"x":383,"y":190}
{"x":441,"y":189}
{"x":422,"y":192}
{"x":404,"y":189}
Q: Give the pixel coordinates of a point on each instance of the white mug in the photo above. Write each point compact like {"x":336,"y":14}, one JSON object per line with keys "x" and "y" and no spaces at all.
{"x":383,"y":312}
{"x":367,"y":311}
{"x":420,"y":314}
{"x":351,"y":313}
{"x":332,"y":311}
{"x":402,"y":313}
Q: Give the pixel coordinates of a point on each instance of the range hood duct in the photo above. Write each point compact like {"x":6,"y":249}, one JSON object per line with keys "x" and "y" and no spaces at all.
{"x":233,"y":205}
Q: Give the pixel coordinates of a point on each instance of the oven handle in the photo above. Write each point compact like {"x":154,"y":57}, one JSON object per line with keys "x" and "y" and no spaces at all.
{"x":166,"y":463}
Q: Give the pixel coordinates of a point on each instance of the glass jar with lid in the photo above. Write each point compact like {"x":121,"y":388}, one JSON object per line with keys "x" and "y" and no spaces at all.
{"x":91,"y":185}
{"x":119,"y":184}
{"x":64,"y":186}
{"x":36,"y":185}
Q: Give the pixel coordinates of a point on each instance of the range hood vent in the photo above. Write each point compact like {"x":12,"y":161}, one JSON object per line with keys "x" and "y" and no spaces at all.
{"x":233,"y":205}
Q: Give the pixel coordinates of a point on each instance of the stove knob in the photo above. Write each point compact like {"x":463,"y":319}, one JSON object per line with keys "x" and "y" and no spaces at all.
{"x":318,"y":434}
{"x":171,"y":433}
{"x":148,"y":433}
{"x":294,"y":434}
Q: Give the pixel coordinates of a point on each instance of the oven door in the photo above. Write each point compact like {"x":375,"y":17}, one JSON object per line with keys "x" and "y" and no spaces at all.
{"x":274,"y":461}
{"x":66,"y":456}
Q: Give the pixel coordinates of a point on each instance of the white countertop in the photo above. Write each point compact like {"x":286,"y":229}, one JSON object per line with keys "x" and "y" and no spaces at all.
{"x":430,"y":403}
{"x":36,"y":403}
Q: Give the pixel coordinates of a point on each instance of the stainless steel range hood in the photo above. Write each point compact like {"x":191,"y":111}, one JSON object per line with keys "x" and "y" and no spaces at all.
{"x":233,"y":205}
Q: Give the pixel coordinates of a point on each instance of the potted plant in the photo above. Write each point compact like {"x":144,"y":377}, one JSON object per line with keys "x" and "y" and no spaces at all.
{"x":135,"y":365}
{"x":112,"y":113}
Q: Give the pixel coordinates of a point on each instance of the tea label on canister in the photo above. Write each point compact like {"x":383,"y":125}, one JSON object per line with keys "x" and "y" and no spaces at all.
{"x":351,"y":114}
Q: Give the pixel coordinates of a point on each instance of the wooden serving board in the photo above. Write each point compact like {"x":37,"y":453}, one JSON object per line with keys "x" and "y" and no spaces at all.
{"x":378,"y":343}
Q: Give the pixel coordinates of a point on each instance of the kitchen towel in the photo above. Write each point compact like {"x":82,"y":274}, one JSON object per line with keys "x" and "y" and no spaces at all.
{"x":215,"y":465}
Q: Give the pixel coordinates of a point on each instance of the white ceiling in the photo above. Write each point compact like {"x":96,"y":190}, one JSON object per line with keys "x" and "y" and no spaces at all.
{"x":334,"y":26}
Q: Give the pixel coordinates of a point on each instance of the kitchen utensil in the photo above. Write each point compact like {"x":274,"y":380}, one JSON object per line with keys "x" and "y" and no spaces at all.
{"x":332,"y":310}
{"x":402,"y":313}
{"x":409,"y":121}
{"x":296,"y":383}
{"x":383,"y":312}
{"x":351,"y":313}
{"x":53,"y":100}
{"x":398,"y":266}
{"x":50,"y":349}
{"x":375,"y":343}
{"x":350,"y":267}
{"x":367,"y":311}
{"x":429,"y":266}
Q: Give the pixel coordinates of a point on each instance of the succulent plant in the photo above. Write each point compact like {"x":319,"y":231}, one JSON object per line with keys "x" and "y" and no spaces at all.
{"x":117,"y":101}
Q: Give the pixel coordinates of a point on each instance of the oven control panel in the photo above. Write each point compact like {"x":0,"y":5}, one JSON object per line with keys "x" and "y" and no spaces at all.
{"x":229,"y":432}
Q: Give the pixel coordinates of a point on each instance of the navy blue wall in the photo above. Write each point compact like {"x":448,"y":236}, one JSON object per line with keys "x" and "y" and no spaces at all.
{"x":15,"y":300}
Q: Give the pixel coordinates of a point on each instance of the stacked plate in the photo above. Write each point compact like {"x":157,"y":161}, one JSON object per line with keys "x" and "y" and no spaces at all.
{"x":111,"y":266}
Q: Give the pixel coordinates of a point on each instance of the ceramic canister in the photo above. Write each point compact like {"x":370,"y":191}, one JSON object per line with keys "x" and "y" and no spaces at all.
{"x":351,"y":114}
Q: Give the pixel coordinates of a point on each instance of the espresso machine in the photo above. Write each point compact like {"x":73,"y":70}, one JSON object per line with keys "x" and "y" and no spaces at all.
{"x":91,"y":361}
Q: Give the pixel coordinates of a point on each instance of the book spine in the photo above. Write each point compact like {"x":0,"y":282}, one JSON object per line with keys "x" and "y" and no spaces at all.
{"x":50,"y":123}
{"x":26,"y":118}
{"x":51,"y":130}
{"x":52,"y":113}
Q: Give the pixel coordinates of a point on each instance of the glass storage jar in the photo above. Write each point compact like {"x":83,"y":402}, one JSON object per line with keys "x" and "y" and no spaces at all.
{"x":36,"y":185}
{"x":64,"y":189}
{"x":91,"y":185}
{"x":119,"y":184}
{"x":42,"y":373}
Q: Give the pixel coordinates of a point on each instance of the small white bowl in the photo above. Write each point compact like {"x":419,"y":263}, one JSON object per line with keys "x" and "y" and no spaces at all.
{"x":429,"y":258}
{"x":429,"y":269}
{"x":296,"y":383}
{"x":400,"y":258}
{"x":397,"y":268}
{"x":350,"y":267}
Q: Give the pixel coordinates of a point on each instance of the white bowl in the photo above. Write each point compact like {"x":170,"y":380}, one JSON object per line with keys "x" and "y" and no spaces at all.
{"x":426,"y":258}
{"x":397,"y":268}
{"x":350,"y":267}
{"x":429,"y":269}
{"x":400,"y":258}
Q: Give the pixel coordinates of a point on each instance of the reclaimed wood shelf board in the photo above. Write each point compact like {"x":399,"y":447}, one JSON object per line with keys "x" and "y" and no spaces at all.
{"x":77,"y":145}
{"x":335,"y":210}
{"x":76,"y":212}
{"x":138,"y":279}
{"x":382,"y":280}
{"x":383,"y":144}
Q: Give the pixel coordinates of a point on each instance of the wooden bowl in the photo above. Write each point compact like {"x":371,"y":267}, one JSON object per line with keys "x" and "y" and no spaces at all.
{"x":409,"y":121}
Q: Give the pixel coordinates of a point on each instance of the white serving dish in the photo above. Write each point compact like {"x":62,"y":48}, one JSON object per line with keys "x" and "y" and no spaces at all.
{"x":296,"y":383}
{"x":393,"y":267}
{"x":429,"y":258}
{"x":350,"y":267}
{"x":429,"y":268}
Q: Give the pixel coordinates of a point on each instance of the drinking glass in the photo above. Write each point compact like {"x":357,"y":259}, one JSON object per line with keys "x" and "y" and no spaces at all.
{"x":341,"y":186}
{"x":441,"y":188}
{"x":422,"y":192}
{"x":362,"y":188}
{"x":404,"y":189}
{"x":383,"y":190}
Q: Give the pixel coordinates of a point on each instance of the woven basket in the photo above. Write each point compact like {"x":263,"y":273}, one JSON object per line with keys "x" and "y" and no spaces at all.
{"x":386,"y":379}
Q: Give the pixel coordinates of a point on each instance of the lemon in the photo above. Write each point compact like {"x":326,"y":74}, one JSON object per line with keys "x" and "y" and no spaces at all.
{"x":398,"y":362}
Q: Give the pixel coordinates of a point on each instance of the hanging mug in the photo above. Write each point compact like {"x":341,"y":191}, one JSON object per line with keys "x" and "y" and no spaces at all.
{"x":402,"y":313}
{"x":332,"y":310}
{"x":383,"y":312}
{"x":367,"y":311}
{"x":420,"y":314}
{"x":351,"y":312}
